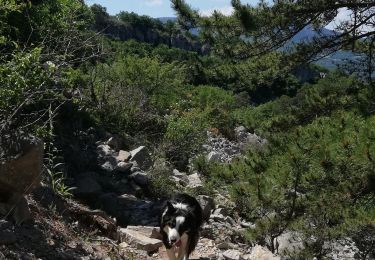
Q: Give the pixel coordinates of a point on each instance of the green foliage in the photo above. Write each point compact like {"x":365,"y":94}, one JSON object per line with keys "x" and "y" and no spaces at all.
{"x":202,"y":108}
{"x":131,"y":91}
{"x":316,"y":177}
{"x":25,"y":89}
{"x":318,"y":181}
{"x":141,"y":22}
{"x":312,"y":101}
{"x":161,"y":185}
{"x":54,"y":163}
{"x":8,"y":10}
{"x":38,"y":41}
{"x":263,"y":78}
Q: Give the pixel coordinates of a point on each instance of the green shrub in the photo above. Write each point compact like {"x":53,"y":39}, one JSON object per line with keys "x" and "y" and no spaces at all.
{"x":161,"y":185}
{"x":132,"y":92}
{"x":334,"y":92}
{"x":319,"y":183}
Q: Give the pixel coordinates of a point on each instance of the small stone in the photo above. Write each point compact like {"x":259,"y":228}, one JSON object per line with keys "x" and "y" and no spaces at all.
{"x":206,"y":147}
{"x":114,"y":142}
{"x":104,"y":150}
{"x":124,"y":167}
{"x":213,"y":157}
{"x":221,"y":211}
{"x":218,"y":217}
{"x":226,"y":245}
{"x":123,"y":156}
{"x":230,"y":221}
{"x":109,"y":166}
{"x":194,"y":181}
{"x":232,"y":254}
{"x":247,"y":225}
{"x":123,"y":245}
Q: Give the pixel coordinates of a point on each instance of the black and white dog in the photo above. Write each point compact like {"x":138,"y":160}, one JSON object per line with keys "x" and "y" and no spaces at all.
{"x":180,"y":223}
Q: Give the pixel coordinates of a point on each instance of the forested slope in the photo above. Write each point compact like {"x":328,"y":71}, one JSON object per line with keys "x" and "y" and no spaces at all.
{"x":279,"y":156}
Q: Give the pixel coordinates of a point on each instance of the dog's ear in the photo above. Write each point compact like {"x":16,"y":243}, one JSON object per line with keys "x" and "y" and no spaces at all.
{"x":170,"y":207}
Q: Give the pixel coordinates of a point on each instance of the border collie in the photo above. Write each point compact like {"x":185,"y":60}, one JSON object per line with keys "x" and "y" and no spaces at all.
{"x":179,"y":225}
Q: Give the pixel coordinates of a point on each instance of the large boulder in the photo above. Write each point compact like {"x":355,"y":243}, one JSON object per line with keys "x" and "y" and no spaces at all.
{"x":21,"y":164}
{"x":151,"y":232}
{"x":139,"y":240}
{"x":141,"y":155}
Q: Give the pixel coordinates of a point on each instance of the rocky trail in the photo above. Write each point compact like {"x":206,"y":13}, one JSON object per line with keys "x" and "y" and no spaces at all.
{"x":112,"y":216}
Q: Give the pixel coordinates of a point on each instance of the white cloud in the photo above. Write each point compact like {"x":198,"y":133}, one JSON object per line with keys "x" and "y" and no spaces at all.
{"x":225,"y":10}
{"x":154,"y":2}
{"x":342,"y":16}
{"x":345,"y":15}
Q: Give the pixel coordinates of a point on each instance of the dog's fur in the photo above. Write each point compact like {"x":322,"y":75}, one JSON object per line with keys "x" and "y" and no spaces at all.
{"x":180,"y":223}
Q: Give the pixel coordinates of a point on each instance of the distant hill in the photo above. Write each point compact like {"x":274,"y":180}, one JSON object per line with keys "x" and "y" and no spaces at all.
{"x":166,"y":19}
{"x":330,"y":62}
{"x":307,"y":34}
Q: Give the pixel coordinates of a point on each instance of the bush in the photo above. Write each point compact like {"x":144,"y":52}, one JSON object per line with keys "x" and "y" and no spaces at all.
{"x":161,"y":186}
{"x":318,"y":181}
{"x":312,"y":101}
{"x":132,"y":92}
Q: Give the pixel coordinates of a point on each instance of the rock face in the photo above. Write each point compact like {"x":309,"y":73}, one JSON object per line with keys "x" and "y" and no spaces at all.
{"x":220,"y":149}
{"x":21,"y":162}
{"x":124,"y":32}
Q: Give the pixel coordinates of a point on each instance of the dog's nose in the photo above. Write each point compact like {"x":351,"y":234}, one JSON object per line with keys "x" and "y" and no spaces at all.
{"x":173,"y":240}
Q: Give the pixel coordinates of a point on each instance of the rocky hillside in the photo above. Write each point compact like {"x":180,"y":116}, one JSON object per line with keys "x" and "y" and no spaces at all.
{"x":96,"y":134}
{"x":112,"y":215}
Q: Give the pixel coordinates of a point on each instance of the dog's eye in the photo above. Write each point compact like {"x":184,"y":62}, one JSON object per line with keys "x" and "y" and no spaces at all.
{"x":172,"y":223}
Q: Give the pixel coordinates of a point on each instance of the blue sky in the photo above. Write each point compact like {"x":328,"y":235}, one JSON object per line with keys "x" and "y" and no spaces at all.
{"x":162,"y":8}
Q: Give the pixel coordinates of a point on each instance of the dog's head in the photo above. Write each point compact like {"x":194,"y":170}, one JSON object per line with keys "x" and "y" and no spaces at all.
{"x":174,"y":222}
